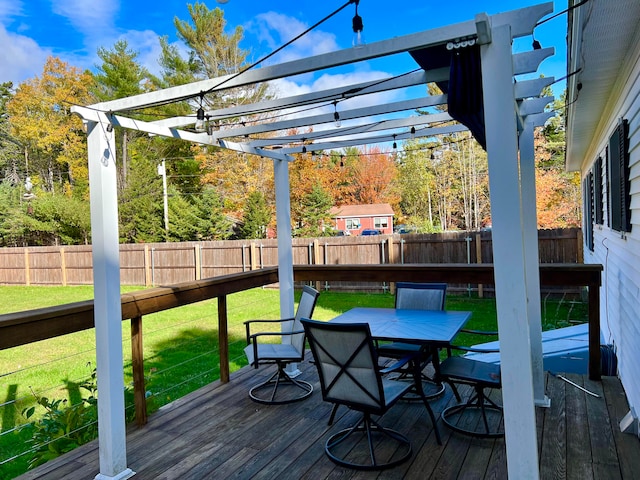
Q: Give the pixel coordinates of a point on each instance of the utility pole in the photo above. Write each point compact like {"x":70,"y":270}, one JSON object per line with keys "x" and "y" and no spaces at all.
{"x":162,"y":171}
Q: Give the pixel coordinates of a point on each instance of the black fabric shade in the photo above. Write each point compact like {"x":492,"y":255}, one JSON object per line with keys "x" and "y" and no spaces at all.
{"x":464,"y":88}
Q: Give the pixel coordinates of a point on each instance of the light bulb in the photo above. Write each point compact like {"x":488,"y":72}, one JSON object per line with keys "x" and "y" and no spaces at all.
{"x":357,"y":25}
{"x":200,"y":123}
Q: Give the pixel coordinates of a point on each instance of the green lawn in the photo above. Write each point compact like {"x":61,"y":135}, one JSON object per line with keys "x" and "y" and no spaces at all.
{"x":181,"y":351}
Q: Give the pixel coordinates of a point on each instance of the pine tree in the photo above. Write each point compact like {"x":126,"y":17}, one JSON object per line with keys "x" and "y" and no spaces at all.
{"x":256,"y":217}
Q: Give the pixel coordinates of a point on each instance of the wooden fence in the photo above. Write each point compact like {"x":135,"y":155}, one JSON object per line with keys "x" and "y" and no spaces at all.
{"x":170,"y":263}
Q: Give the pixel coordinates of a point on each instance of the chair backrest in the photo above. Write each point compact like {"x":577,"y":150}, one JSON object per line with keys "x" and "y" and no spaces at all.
{"x":306,"y":306}
{"x":347,"y":364}
{"x":420,"y":296}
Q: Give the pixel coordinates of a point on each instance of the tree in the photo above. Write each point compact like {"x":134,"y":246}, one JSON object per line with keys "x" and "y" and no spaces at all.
{"x":41,"y":120}
{"x":314,"y":212}
{"x":374,"y":177}
{"x":214,"y":224}
{"x":121,"y":75}
{"x":141,"y":206}
{"x":256,"y":217}
{"x":10,"y":148}
{"x":57,"y":220}
{"x":416,"y":184}
{"x":213,"y":52}
{"x":12,"y":212}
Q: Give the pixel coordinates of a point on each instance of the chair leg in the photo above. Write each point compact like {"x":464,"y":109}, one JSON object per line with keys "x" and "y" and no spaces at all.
{"x":279,"y":379}
{"x":334,"y":410}
{"x":368,"y":428}
{"x":478,"y":402}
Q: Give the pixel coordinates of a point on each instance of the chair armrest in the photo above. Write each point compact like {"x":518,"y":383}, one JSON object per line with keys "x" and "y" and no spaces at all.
{"x":254,"y":336}
{"x":247,"y":324}
{"x":397,"y":365}
{"x":474,"y":350}
{"x":478,"y":332}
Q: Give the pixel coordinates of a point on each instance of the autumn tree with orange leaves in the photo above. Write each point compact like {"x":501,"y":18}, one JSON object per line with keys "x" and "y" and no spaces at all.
{"x":53,"y":138}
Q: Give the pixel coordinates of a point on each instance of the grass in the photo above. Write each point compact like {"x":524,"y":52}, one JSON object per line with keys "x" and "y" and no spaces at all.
{"x":181,"y":346}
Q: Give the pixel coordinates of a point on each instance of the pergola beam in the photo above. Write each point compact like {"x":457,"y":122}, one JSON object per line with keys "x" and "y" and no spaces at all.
{"x":324,"y":96}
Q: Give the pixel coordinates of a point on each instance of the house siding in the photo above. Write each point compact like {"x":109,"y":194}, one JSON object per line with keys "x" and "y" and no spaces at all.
{"x":620,"y":253}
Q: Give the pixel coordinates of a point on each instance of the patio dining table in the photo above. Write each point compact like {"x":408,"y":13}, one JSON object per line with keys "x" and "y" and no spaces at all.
{"x":433,"y":329}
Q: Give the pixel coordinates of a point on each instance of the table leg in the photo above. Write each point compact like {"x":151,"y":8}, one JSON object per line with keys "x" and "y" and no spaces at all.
{"x":417,"y":378}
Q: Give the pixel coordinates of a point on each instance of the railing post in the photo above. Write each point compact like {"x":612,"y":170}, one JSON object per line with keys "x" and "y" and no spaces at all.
{"x":137,"y":364}
{"x":595,"y":367}
{"x":223,"y":339}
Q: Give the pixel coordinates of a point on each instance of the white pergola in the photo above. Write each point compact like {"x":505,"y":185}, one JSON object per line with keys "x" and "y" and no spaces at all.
{"x":512,"y":109}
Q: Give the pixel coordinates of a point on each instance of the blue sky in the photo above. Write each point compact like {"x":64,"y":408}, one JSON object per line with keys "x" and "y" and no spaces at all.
{"x":74,"y":29}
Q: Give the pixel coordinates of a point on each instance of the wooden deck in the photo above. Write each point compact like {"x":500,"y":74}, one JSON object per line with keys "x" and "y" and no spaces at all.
{"x":217,"y":432}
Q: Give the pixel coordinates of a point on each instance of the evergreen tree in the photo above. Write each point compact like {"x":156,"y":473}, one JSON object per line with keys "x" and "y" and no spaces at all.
{"x":11,"y":159}
{"x":214,"y":225}
{"x":141,"y":205}
{"x":315,"y":210}
{"x":256,"y":217}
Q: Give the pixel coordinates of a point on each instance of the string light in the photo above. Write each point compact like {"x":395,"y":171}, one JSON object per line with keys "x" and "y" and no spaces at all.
{"x":200,"y":123}
{"x":336,"y":115}
{"x":357,"y":25}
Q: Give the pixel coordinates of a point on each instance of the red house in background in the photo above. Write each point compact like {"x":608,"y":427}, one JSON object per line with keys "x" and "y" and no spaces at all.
{"x":356,"y":218}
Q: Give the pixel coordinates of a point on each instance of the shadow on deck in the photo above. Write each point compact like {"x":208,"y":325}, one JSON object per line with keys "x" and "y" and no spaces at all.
{"x":217,"y":432}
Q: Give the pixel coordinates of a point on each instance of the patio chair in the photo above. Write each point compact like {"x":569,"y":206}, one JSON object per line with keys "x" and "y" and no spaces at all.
{"x":281,"y":388}
{"x":347,"y":365}
{"x":417,"y":296}
{"x":463,"y":417}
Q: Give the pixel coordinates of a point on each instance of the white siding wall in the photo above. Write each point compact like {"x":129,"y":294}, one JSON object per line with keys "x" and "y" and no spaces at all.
{"x":620,"y":254}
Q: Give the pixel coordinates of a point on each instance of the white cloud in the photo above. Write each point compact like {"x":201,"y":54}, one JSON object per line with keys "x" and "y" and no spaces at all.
{"x":276,"y":29}
{"x":21,"y":57}
{"x":87,"y":16}
{"x":147,"y":44}
{"x":10,"y":8}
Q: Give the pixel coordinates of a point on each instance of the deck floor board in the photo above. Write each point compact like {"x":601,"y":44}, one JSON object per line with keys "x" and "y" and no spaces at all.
{"x":218,"y":432}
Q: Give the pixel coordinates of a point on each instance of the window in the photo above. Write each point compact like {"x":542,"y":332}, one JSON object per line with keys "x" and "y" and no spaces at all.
{"x":352,"y":223}
{"x":381,"y":222}
{"x":597,"y":192}
{"x":587,"y":195}
{"x":619,"y":195}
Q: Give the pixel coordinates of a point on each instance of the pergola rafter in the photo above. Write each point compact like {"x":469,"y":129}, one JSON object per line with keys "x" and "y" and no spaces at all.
{"x":510,"y":111}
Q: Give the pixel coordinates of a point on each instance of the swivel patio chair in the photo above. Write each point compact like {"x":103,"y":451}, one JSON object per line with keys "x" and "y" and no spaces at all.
{"x":347,"y":365}
{"x":479,"y":415}
{"x":417,"y":296}
{"x":281,"y":388}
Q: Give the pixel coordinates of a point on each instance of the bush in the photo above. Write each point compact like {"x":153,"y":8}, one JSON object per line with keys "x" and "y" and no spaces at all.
{"x":63,"y":427}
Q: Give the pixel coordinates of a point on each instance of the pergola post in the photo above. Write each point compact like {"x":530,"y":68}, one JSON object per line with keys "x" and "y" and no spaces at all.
{"x":285,"y":247}
{"x":532,"y":258}
{"x":509,"y":255}
{"x":107,"y":307}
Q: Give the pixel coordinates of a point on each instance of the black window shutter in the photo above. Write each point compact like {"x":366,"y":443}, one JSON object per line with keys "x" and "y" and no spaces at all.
{"x":587,"y":190}
{"x":619,"y":195}
{"x":597,"y":191}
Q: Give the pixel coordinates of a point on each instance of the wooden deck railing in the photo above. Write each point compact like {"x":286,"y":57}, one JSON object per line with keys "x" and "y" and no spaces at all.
{"x":21,"y":328}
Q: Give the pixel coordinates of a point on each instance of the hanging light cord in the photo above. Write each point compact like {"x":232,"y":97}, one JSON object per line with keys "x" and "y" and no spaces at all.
{"x":562,"y":12}
{"x":280,"y":48}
